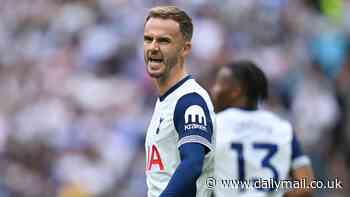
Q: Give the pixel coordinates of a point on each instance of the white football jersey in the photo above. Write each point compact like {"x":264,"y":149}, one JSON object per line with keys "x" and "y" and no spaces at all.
{"x":253,"y":145}
{"x":184,"y":114}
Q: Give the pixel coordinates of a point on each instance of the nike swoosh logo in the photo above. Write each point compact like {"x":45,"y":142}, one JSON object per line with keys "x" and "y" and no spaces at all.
{"x":160,"y":122}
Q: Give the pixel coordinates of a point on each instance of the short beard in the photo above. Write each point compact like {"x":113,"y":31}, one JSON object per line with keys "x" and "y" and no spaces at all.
{"x":169,"y":65}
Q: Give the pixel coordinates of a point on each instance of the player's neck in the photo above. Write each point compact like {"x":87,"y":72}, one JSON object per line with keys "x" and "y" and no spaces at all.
{"x":248,"y":107}
{"x":175,"y":76}
{"x":243,"y":103}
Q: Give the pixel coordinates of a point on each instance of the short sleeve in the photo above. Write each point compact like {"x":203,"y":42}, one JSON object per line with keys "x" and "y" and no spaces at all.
{"x":192,"y":121}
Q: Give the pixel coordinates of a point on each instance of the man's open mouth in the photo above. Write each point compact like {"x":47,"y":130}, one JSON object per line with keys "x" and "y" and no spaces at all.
{"x":155,"y":60}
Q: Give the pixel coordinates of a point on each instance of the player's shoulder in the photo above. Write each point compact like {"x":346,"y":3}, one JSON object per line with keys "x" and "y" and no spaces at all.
{"x":194,"y":99}
{"x":282,"y":128}
{"x":233,"y":114}
{"x":276,"y":119}
{"x":192,"y":91}
{"x":192,"y":86}
{"x":229,"y":112}
{"x":272,"y":118}
{"x":236,"y":115}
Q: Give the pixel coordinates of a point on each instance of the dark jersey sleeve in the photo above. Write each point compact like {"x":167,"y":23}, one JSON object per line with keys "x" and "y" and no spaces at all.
{"x":192,"y":121}
{"x":183,"y":181}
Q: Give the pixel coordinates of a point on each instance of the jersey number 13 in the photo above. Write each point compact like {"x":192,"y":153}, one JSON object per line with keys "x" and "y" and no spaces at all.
{"x":271,"y":150}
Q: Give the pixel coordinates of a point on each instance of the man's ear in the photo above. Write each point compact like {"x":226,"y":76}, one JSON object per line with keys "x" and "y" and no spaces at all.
{"x":187,"y":48}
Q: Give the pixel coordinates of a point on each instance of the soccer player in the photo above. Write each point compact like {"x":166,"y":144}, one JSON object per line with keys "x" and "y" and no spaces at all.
{"x":180,"y":138}
{"x":252,"y":143}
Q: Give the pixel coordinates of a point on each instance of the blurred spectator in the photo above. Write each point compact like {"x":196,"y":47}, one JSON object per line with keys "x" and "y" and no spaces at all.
{"x":75,"y":99}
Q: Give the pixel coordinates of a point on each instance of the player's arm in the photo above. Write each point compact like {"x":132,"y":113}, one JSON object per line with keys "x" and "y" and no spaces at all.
{"x":183,"y":181}
{"x":194,"y":126}
{"x":301,"y":169}
{"x":304,"y":172}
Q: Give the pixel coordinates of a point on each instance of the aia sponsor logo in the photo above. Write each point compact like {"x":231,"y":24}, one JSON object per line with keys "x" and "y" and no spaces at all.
{"x":154,"y":159}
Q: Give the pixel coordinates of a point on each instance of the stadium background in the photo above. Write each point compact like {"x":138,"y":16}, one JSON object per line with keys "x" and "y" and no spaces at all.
{"x":75,"y":99}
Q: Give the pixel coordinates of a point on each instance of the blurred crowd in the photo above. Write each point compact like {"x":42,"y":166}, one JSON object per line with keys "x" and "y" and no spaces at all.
{"x":75,"y":100}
